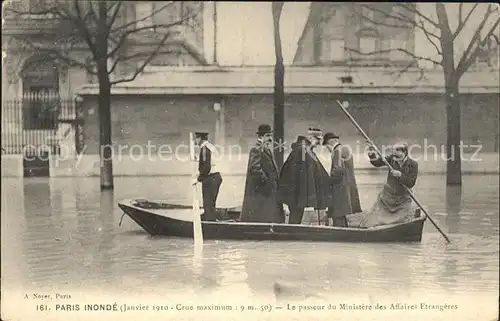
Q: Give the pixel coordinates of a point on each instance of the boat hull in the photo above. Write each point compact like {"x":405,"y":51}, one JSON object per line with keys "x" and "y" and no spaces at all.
{"x":160,"y":222}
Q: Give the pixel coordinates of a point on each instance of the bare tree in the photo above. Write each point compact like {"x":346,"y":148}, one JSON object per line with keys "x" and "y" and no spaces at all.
{"x":107,"y":33}
{"x":477,"y":25}
{"x":279,"y":86}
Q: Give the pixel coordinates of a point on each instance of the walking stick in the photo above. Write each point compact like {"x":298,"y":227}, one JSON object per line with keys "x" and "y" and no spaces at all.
{"x":390,"y":168}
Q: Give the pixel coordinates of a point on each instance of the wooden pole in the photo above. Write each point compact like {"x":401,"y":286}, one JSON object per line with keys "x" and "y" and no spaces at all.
{"x":390,"y":167}
{"x":279,"y":87}
{"x":197,"y":230}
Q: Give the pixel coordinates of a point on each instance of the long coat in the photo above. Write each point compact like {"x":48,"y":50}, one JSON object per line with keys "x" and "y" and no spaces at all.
{"x":393,"y":204}
{"x":303,"y":180}
{"x":409,"y":172}
{"x":345,"y":196}
{"x":260,"y":202}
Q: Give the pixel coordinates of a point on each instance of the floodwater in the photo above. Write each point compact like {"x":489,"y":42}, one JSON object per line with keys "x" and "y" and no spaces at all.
{"x":63,"y":236}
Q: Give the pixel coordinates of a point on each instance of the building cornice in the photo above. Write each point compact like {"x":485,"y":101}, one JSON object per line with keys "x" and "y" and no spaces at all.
{"x":298,"y":80}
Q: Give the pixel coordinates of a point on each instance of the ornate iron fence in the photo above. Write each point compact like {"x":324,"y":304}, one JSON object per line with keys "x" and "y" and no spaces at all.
{"x":39,"y":122}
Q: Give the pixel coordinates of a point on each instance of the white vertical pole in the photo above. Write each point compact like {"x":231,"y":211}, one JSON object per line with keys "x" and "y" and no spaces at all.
{"x":197,"y":230}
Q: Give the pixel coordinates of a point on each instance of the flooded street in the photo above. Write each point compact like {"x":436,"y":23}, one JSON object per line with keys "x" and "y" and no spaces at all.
{"x":63,"y":236}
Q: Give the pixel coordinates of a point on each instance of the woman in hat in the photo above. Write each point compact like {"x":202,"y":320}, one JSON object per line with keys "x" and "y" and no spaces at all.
{"x":393,"y":204}
{"x":260,"y":202}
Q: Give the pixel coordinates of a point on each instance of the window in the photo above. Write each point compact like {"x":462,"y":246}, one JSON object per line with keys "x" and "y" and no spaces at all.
{"x":336,"y":50}
{"x":143,"y":12}
{"x":488,"y":56}
{"x":401,"y":15}
{"x":167,"y":12}
{"x":367,"y":17}
{"x":395,"y":54}
{"x":368,"y":45}
{"x":332,"y":34}
{"x":332,"y":50}
{"x":37,"y":5}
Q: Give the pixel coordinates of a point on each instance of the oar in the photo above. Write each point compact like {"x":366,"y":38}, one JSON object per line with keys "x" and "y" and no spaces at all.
{"x":390,"y":167}
{"x":197,"y":231}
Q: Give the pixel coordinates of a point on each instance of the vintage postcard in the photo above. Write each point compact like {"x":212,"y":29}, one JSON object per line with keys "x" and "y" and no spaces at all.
{"x":195,"y":160}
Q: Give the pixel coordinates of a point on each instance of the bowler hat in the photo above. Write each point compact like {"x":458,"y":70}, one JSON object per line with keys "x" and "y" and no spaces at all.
{"x":264,"y":129}
{"x":301,"y":139}
{"x":329,"y":136}
{"x":202,"y":135}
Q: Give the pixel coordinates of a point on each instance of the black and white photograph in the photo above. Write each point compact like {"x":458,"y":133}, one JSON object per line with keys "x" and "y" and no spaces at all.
{"x":245,"y":160}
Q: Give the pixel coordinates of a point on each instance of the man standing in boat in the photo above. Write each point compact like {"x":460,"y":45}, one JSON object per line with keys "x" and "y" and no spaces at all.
{"x":304,"y":181}
{"x":393,"y":204}
{"x":209,"y":177}
{"x":260,"y":202}
{"x":345,"y":196}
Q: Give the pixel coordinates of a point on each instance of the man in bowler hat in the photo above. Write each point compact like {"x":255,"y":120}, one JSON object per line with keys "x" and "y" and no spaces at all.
{"x":344,"y":190}
{"x":260,"y":202}
{"x":208,"y":175}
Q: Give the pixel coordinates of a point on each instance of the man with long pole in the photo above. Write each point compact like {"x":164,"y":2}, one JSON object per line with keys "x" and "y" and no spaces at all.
{"x":383,"y":159}
{"x":208,"y":175}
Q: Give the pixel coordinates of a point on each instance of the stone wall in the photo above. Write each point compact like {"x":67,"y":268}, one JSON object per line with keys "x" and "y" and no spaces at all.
{"x":419,"y":119}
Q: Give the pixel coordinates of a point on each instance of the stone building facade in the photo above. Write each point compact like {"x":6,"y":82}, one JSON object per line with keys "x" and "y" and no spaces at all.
{"x":182,"y":92}
{"x":389,"y":103}
{"x":31,"y":80}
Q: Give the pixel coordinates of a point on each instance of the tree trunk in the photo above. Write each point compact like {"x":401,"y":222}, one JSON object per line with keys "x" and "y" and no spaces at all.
{"x":279,"y":89}
{"x":106,"y":149}
{"x":453,"y":137}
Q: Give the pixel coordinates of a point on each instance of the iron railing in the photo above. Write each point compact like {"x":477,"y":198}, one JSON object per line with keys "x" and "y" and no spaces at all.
{"x":39,"y":122}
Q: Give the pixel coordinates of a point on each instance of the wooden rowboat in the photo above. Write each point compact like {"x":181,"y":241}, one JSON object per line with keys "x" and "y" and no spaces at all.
{"x":158,"y":218}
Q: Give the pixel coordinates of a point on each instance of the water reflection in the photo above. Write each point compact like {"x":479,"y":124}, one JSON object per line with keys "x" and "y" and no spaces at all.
{"x":453,"y":207}
{"x":102,"y":258}
{"x":64,"y":234}
{"x":38,"y":200}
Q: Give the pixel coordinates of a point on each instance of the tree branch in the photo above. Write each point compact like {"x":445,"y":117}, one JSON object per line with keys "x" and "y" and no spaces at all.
{"x":462,"y":22}
{"x":409,"y":53}
{"x":123,"y":34}
{"x":466,"y":59}
{"x":494,"y":36}
{"x":462,"y":68}
{"x":428,"y":36}
{"x":402,"y":71}
{"x":104,"y":36}
{"x":145,"y":63}
{"x":112,"y":19}
{"x":82,"y":27}
{"x":386,"y":15}
{"x":134,"y":22}
{"x":57,"y":54}
{"x":406,"y":20}
{"x":125,"y":58}
{"x":414,"y":10}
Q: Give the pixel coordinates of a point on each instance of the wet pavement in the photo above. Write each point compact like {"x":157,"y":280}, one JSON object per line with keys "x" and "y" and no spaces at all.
{"x":62,"y":236}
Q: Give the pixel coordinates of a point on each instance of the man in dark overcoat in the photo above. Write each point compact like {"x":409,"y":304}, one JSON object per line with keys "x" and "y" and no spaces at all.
{"x":260,"y":202}
{"x":345,"y":196}
{"x":303,"y":180}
